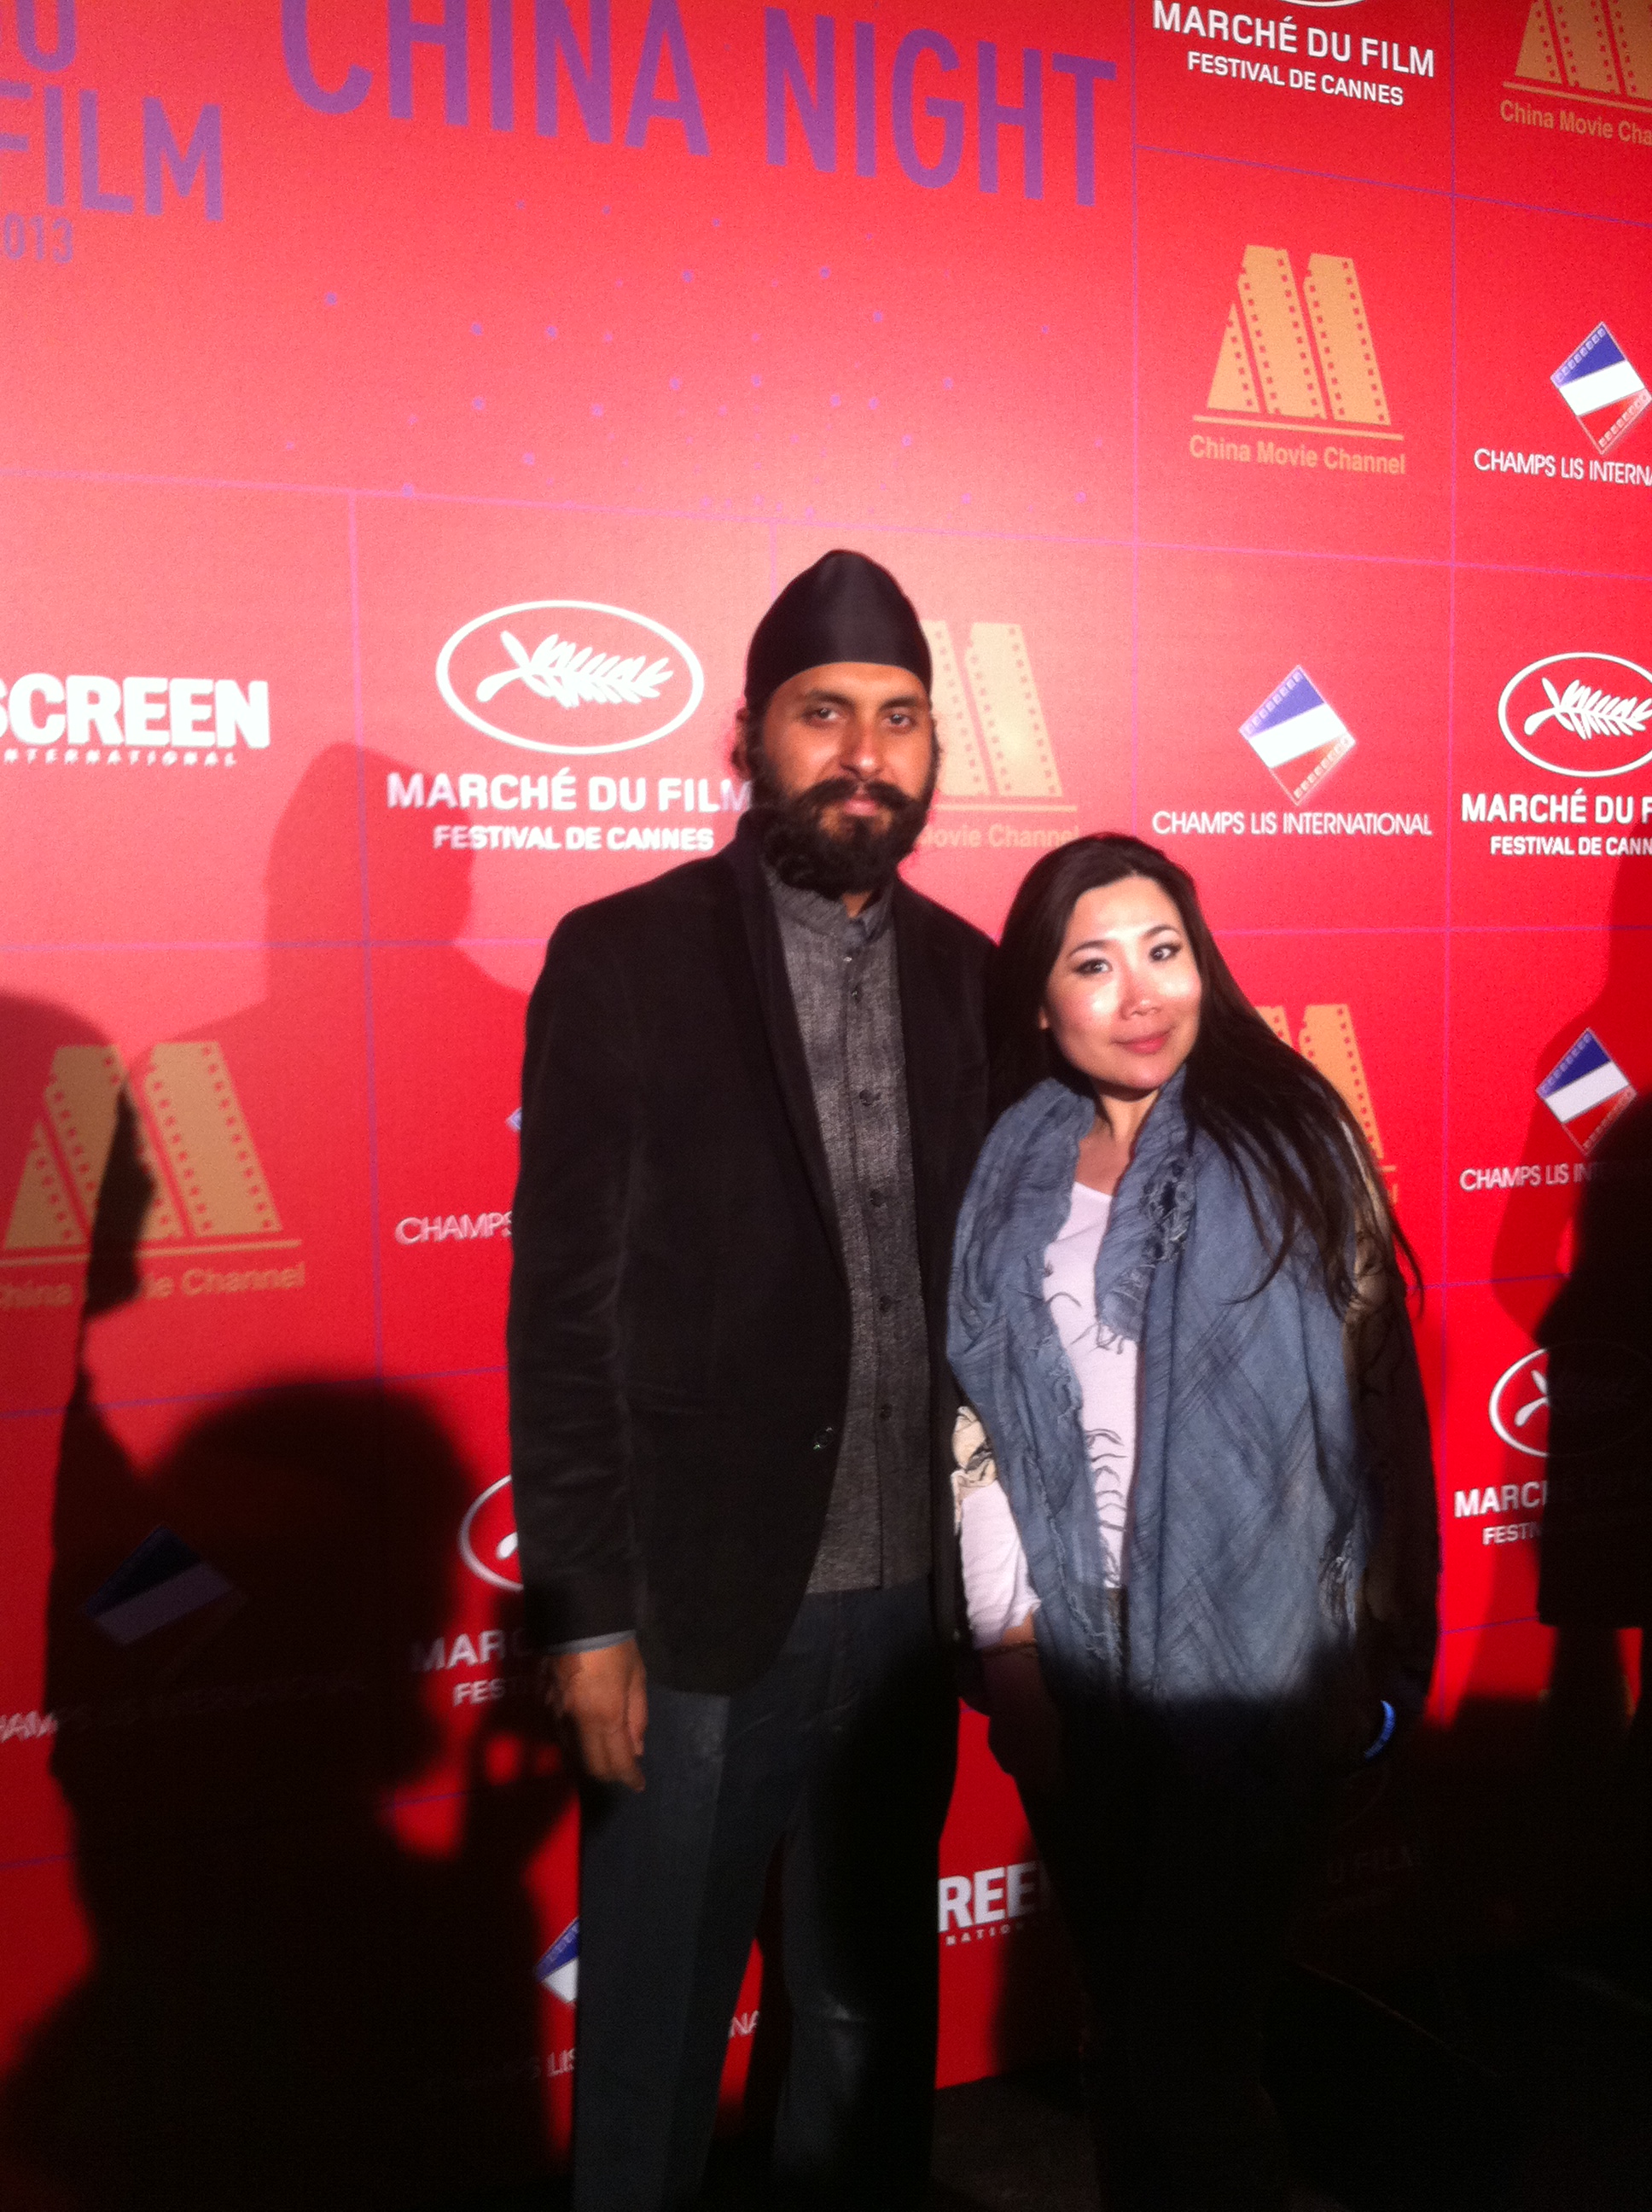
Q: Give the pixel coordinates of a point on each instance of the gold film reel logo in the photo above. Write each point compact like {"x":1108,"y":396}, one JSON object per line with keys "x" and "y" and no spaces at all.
{"x":1326,"y":1038}
{"x":1303,"y":357}
{"x":210,"y":1191}
{"x":999,"y":756}
{"x":1597,"y":51}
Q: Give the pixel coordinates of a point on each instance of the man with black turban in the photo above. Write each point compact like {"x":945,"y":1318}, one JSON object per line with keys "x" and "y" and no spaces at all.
{"x":754,"y":1092}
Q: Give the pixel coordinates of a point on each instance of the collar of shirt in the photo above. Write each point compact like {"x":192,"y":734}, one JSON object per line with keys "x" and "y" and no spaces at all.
{"x":829,"y":917}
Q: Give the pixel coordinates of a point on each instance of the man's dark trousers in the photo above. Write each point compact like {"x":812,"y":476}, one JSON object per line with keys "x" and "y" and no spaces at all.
{"x":841,"y":1752}
{"x":681,"y":1340}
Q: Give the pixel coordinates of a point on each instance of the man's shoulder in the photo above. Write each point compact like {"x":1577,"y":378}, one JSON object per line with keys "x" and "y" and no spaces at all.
{"x":948,"y":933}
{"x":663,"y":906}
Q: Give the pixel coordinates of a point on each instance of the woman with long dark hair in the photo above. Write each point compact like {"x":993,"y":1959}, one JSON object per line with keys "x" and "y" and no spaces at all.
{"x":1196,"y":1491}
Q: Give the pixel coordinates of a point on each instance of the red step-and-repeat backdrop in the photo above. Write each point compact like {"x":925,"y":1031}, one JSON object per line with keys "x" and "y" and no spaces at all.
{"x":410,"y":406}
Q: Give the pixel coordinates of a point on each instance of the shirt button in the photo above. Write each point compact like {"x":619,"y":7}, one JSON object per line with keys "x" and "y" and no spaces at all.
{"x":885,"y":1306}
{"x":874,"y":1198}
{"x":884,"y":1412}
{"x":867,"y":1097}
{"x":854,"y":993}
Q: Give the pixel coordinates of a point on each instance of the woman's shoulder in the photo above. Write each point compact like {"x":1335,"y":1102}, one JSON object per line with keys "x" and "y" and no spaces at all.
{"x":1027,"y":1145}
{"x":1241,"y":1165}
{"x":1047,"y":1115}
{"x":1049,"y":1105}
{"x":1239,"y":1217}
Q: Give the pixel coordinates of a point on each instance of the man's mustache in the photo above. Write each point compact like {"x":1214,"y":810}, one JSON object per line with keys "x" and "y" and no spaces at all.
{"x":820,"y":797}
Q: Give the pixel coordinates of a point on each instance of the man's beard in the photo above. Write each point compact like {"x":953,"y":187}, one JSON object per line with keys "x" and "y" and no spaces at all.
{"x":863,"y":856}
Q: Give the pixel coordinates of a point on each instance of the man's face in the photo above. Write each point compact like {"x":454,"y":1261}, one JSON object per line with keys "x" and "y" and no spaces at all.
{"x":844,"y":772}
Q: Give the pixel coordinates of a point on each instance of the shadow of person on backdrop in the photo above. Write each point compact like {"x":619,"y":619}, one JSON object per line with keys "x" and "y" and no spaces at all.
{"x":445,"y":1038}
{"x":1534,"y":1235}
{"x":421,"y":896}
{"x":285,"y":2003}
{"x":41,"y":1207}
{"x":1538,"y":1780}
{"x":1595,"y":1571}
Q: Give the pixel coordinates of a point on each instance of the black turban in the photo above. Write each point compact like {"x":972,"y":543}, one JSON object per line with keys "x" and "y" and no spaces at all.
{"x":845,"y":608}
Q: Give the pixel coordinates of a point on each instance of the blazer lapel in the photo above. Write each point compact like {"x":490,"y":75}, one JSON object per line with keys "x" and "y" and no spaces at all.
{"x":768,"y":956}
{"x":930,"y":1028}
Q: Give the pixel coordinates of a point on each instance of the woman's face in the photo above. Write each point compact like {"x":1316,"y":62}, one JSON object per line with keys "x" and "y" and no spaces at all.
{"x":1122,"y":1000}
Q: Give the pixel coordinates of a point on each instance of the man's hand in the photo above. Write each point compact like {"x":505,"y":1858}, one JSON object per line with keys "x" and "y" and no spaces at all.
{"x":599,"y":1700}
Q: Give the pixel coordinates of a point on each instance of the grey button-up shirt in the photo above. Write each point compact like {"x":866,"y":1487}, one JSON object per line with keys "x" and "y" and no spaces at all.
{"x":847,"y":997}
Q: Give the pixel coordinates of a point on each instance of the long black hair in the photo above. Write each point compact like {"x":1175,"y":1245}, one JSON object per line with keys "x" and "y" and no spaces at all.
{"x":1269,"y":1111}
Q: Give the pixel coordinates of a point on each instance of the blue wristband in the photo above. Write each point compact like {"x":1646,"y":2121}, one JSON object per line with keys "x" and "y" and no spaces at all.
{"x":1385,"y":1734}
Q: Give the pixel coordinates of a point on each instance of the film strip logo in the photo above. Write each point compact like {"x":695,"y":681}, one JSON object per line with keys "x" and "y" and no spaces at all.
{"x":1000,"y":757}
{"x":1603,"y":388}
{"x":1586,"y":1091}
{"x":1298,"y":735}
{"x":209,"y":1190}
{"x":558,"y":1971}
{"x":1326,"y":1038}
{"x":1598,"y":50}
{"x":1306,"y":358}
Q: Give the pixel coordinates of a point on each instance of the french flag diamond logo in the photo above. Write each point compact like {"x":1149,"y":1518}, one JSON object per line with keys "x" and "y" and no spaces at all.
{"x":559,"y":1969}
{"x":1602,"y":389}
{"x":1298,"y":736}
{"x":162,"y":1582}
{"x":1587,"y":1093}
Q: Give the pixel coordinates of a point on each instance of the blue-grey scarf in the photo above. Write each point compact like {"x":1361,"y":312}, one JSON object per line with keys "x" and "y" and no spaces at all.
{"x":1251,"y":1518}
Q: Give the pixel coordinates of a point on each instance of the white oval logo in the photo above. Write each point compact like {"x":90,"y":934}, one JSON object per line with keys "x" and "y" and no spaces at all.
{"x":1604,"y":1397}
{"x":1579,"y":713}
{"x":569,"y":676}
{"x":486,"y":1537}
{"x":1519,"y":1405}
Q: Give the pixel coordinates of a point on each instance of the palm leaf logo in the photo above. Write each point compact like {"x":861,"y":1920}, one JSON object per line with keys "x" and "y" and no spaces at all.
{"x":576,"y":676}
{"x":1590,"y":714}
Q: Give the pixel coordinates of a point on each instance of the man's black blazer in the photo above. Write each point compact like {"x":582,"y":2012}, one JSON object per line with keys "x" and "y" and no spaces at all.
{"x":679,"y":1317}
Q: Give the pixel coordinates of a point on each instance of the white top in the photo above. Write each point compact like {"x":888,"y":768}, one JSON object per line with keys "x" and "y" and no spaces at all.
{"x":996,"y":1587}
